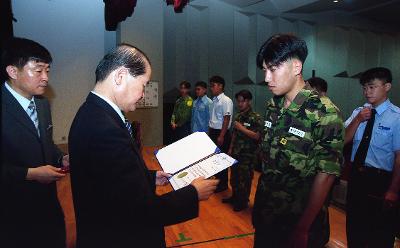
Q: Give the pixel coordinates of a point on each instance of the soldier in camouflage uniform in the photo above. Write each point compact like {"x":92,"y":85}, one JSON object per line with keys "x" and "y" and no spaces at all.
{"x":302,"y":151}
{"x":321,"y":86}
{"x":182,"y":115}
{"x":247,"y":129}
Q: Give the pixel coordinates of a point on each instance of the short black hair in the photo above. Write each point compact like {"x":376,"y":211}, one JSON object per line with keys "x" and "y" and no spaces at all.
{"x":124,"y":55}
{"x":185,"y":84}
{"x":245,"y":94}
{"x":201,"y":84}
{"x":380,"y":73}
{"x":19,"y":51}
{"x":218,"y":80}
{"x":281,"y":48}
{"x":318,"y":83}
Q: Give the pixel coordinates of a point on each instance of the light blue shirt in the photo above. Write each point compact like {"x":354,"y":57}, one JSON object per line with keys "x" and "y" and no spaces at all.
{"x":113,"y":105}
{"x":23,"y":101}
{"x":385,"y":139}
{"x":201,"y":114}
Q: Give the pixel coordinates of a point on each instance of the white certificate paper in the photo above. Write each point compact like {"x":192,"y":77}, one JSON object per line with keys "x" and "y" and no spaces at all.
{"x":205,"y":168}
{"x":191,"y":157}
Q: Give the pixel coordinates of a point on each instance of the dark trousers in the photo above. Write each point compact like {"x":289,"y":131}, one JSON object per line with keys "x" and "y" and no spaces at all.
{"x":369,"y":223}
{"x":223,"y":175}
{"x":241,"y":177}
{"x":273,"y":236}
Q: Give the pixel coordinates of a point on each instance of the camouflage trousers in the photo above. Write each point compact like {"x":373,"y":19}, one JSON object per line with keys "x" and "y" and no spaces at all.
{"x":241,"y":177}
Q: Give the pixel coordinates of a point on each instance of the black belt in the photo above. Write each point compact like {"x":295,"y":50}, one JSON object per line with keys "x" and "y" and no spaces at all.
{"x":372,"y":170}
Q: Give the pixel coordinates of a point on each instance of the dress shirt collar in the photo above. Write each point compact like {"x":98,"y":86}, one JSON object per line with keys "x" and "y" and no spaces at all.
{"x":113,"y":105}
{"x":204,"y":99}
{"x":23,"y":101}
{"x":218,"y":98}
{"x":382,"y":107}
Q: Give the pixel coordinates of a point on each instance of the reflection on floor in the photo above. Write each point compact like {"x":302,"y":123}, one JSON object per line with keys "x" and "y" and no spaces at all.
{"x":217,"y":226}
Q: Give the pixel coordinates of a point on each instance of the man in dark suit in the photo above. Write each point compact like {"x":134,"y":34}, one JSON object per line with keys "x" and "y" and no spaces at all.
{"x":114,"y":192}
{"x":30,"y":214}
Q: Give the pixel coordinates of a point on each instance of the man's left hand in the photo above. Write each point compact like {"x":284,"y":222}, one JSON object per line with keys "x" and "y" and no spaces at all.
{"x":162,"y":178}
{"x":220,"y":141}
{"x":237,"y":125}
{"x":391,"y":199}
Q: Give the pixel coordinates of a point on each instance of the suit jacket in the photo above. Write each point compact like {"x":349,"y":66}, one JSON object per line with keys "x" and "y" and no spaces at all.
{"x":114,"y":192}
{"x":28,"y":208}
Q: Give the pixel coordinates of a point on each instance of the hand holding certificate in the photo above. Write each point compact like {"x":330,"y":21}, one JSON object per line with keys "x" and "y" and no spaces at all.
{"x":192,"y":157}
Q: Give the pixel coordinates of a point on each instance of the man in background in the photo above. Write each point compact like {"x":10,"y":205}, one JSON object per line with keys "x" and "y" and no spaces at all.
{"x":374,"y":182}
{"x":31,"y":215}
{"x":321,"y":86}
{"x":318,"y":84}
{"x":246,"y":134}
{"x":201,"y":108}
{"x":220,"y":122}
{"x":114,"y":193}
{"x":182,"y":114}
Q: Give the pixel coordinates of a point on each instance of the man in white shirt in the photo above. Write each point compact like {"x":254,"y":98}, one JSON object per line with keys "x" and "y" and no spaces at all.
{"x":220,"y":122}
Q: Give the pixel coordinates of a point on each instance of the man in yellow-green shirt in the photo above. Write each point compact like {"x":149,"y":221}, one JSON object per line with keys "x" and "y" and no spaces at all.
{"x":181,"y":117}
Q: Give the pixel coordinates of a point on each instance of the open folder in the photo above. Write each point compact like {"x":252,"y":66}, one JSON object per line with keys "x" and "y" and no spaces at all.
{"x":194,"y":156}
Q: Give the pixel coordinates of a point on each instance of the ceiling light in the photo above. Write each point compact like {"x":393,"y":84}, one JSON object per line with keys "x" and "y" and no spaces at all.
{"x":335,"y":1}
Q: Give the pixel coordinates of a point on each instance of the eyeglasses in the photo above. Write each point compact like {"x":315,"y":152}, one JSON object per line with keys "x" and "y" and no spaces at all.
{"x":372,"y":87}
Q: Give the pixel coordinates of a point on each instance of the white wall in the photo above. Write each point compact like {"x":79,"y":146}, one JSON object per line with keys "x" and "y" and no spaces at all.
{"x":73,"y":32}
{"x":145,"y":30}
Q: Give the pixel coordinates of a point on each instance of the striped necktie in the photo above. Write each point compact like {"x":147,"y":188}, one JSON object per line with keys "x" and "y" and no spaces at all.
{"x":32,"y":113}
{"x":128,"y":126}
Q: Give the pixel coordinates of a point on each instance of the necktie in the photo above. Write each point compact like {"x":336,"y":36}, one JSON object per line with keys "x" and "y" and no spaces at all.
{"x":362,"y":150}
{"x":33,"y":115}
{"x":128,"y":126}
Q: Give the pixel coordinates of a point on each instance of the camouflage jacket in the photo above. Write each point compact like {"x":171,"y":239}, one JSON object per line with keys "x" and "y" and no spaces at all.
{"x":300,"y":141}
{"x":182,"y":111}
{"x":242,"y":143}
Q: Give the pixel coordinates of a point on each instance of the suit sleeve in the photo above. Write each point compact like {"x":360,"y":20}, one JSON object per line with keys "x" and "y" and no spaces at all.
{"x":11,"y":173}
{"x":131,"y":185}
{"x":57,"y":153}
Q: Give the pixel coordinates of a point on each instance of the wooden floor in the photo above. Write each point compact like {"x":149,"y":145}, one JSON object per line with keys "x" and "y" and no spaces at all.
{"x":217,"y":225}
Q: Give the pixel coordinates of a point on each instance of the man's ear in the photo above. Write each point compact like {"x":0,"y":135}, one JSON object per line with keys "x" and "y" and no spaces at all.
{"x":12,"y":71}
{"x":388,"y":86}
{"x":119,"y":75}
{"x":297,"y":66}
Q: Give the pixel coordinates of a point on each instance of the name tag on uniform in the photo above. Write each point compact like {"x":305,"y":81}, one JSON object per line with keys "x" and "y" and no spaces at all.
{"x":297,"y":132}
{"x":380,"y":127}
{"x":268,"y":124}
{"x":246,"y":124}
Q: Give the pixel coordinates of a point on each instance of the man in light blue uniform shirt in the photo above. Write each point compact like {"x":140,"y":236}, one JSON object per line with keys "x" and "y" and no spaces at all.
{"x":374,"y":183}
{"x":201,"y":108}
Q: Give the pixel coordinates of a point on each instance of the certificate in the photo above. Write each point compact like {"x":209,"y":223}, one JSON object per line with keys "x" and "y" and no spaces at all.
{"x":191,"y":157}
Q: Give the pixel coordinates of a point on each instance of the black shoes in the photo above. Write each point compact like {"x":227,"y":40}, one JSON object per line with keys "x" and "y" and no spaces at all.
{"x":229,"y":200}
{"x":240,"y":207}
{"x":237,"y":206}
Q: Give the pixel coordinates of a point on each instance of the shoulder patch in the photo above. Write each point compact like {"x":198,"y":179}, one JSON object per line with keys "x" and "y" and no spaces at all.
{"x":329,"y":105}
